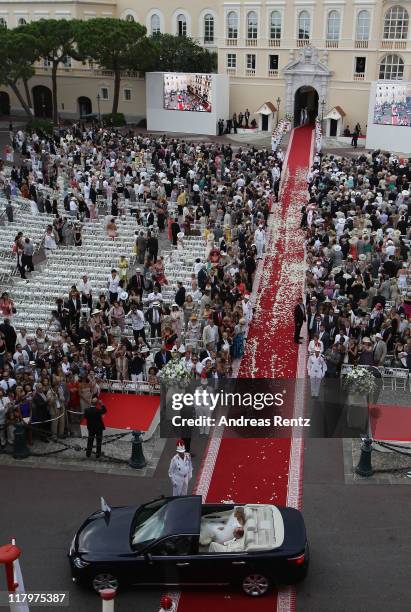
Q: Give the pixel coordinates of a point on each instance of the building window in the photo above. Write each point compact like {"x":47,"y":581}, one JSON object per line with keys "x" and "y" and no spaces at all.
{"x":304,"y":24}
{"x":231,"y":60}
{"x":208,"y":28}
{"x":252,"y":25}
{"x":275,"y":25}
{"x":155,"y":25}
{"x":3,"y":23}
{"x":363,"y":26}
{"x":130,"y":18}
{"x":250,"y":61}
{"x":273,"y":62}
{"x":232,"y":25}
{"x":127,"y":94}
{"x":66,"y":61}
{"x":392,"y":68}
{"x":396,"y":24}
{"x":333,"y":25}
{"x":104,"y":93}
{"x":21,"y":21}
{"x":181,"y":25}
{"x":360,"y":63}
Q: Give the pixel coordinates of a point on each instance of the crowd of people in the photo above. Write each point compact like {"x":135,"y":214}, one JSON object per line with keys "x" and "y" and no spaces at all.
{"x":358,"y":229}
{"x":173,"y":189}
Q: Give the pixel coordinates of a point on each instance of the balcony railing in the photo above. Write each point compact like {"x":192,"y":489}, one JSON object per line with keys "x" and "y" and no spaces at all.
{"x":361,"y":44}
{"x":274,"y":42}
{"x":273,"y":73}
{"x":393,"y":44}
{"x":231,"y":42}
{"x":303,"y":42}
{"x":250,"y":72}
{"x":331,"y":44}
{"x":231,"y":71}
{"x":359,"y":76}
{"x":250,"y":42}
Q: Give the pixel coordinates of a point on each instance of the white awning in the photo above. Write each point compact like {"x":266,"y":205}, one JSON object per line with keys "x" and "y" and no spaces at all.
{"x":335,"y":113}
{"x":267,"y":108}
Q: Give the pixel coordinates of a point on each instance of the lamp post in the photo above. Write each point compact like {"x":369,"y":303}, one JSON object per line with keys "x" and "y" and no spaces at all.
{"x":278,"y":108}
{"x":98,"y":106}
{"x":322,"y":109}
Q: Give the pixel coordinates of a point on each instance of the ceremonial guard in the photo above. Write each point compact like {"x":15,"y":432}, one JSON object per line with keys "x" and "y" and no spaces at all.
{"x":317,"y":368}
{"x":180,"y":470}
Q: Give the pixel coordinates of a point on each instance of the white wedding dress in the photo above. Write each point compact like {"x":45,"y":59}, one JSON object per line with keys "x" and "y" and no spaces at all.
{"x":217,"y":529}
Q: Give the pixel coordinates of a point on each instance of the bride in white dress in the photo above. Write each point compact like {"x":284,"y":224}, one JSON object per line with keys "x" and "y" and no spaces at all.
{"x":221,"y":530}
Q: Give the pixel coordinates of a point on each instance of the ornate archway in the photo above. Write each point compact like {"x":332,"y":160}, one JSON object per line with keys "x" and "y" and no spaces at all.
{"x":42,"y":101}
{"x":84,"y":106}
{"x":305,"y":105}
{"x":4,"y":103}
{"x":306,"y":71}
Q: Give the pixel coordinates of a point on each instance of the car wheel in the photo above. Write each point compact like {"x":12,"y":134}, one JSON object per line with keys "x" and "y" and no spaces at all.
{"x":256,"y":585}
{"x":105,"y":580}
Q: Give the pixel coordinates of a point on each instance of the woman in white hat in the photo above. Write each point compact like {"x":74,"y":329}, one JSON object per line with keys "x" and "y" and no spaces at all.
{"x":180,"y":470}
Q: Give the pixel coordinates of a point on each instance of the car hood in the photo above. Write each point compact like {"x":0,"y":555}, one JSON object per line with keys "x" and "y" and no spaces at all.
{"x":106,"y":533}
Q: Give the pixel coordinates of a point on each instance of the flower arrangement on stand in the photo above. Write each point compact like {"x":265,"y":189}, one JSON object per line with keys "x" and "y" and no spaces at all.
{"x":318,"y":135}
{"x":360,"y":381}
{"x":174,"y":373}
{"x":282,"y":128}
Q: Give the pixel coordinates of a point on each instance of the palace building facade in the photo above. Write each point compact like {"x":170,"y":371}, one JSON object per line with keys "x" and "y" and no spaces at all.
{"x":314,"y":54}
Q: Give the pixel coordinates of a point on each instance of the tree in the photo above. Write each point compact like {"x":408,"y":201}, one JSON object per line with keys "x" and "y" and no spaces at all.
{"x":113,"y":44}
{"x":17,"y":58}
{"x":55,"y":40}
{"x":179,"y":54}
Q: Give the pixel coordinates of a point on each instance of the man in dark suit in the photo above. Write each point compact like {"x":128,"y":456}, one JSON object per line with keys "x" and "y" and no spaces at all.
{"x":299,"y":318}
{"x":324,"y":337}
{"x":180,"y":296}
{"x":95,"y":425}
{"x":153,"y":316}
{"x":136,"y":282}
{"x":162,"y":357}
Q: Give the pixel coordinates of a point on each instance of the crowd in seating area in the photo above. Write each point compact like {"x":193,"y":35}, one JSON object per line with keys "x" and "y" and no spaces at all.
{"x":358,"y":230}
{"x":147,"y":247}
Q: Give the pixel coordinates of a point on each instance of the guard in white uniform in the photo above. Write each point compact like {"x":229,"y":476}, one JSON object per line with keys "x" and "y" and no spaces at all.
{"x":316,"y":368}
{"x":180,"y":470}
{"x":259,"y":239}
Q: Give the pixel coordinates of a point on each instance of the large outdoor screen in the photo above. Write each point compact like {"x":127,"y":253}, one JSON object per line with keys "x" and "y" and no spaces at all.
{"x":187,"y":92}
{"x":392,"y":104}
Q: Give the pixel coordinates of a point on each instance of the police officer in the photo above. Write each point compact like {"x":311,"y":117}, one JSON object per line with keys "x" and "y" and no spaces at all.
{"x":95,"y":425}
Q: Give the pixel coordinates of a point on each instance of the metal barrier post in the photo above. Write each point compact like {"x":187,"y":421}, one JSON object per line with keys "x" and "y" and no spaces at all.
{"x":137,"y":461}
{"x":20,"y":449}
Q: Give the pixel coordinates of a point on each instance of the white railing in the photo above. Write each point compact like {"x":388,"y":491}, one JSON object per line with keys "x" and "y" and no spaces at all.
{"x":274,"y":42}
{"x":361,"y":44}
{"x":250,"y":72}
{"x":359,"y":76}
{"x":273,"y":73}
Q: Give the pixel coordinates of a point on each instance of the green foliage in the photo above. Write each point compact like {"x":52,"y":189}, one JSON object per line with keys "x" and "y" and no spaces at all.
{"x":178,"y":54}
{"x":42,"y":127}
{"x":17,"y":56}
{"x":54,"y":38}
{"x":116,"y":119}
{"x":111,"y":43}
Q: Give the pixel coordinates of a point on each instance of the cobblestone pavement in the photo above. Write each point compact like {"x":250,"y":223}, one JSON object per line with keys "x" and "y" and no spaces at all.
{"x":114,"y":460}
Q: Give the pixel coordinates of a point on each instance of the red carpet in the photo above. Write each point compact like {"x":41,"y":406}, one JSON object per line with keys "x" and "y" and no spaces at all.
{"x":129,"y":411}
{"x":256,"y":470}
{"x":391,"y":422}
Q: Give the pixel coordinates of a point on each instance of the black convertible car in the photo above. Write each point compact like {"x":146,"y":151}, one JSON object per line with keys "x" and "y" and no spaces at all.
{"x":181,"y":541}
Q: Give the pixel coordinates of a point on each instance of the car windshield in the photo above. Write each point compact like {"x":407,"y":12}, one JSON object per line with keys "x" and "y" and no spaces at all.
{"x":148,"y":523}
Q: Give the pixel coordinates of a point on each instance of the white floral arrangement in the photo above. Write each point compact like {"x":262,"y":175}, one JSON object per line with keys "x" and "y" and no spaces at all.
{"x":360,"y":380}
{"x":174,"y":372}
{"x":278,"y":132}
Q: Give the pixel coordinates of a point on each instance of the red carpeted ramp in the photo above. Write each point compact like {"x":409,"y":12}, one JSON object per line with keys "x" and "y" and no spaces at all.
{"x":130,"y":411}
{"x":390,"y":422}
{"x":258,"y":470}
